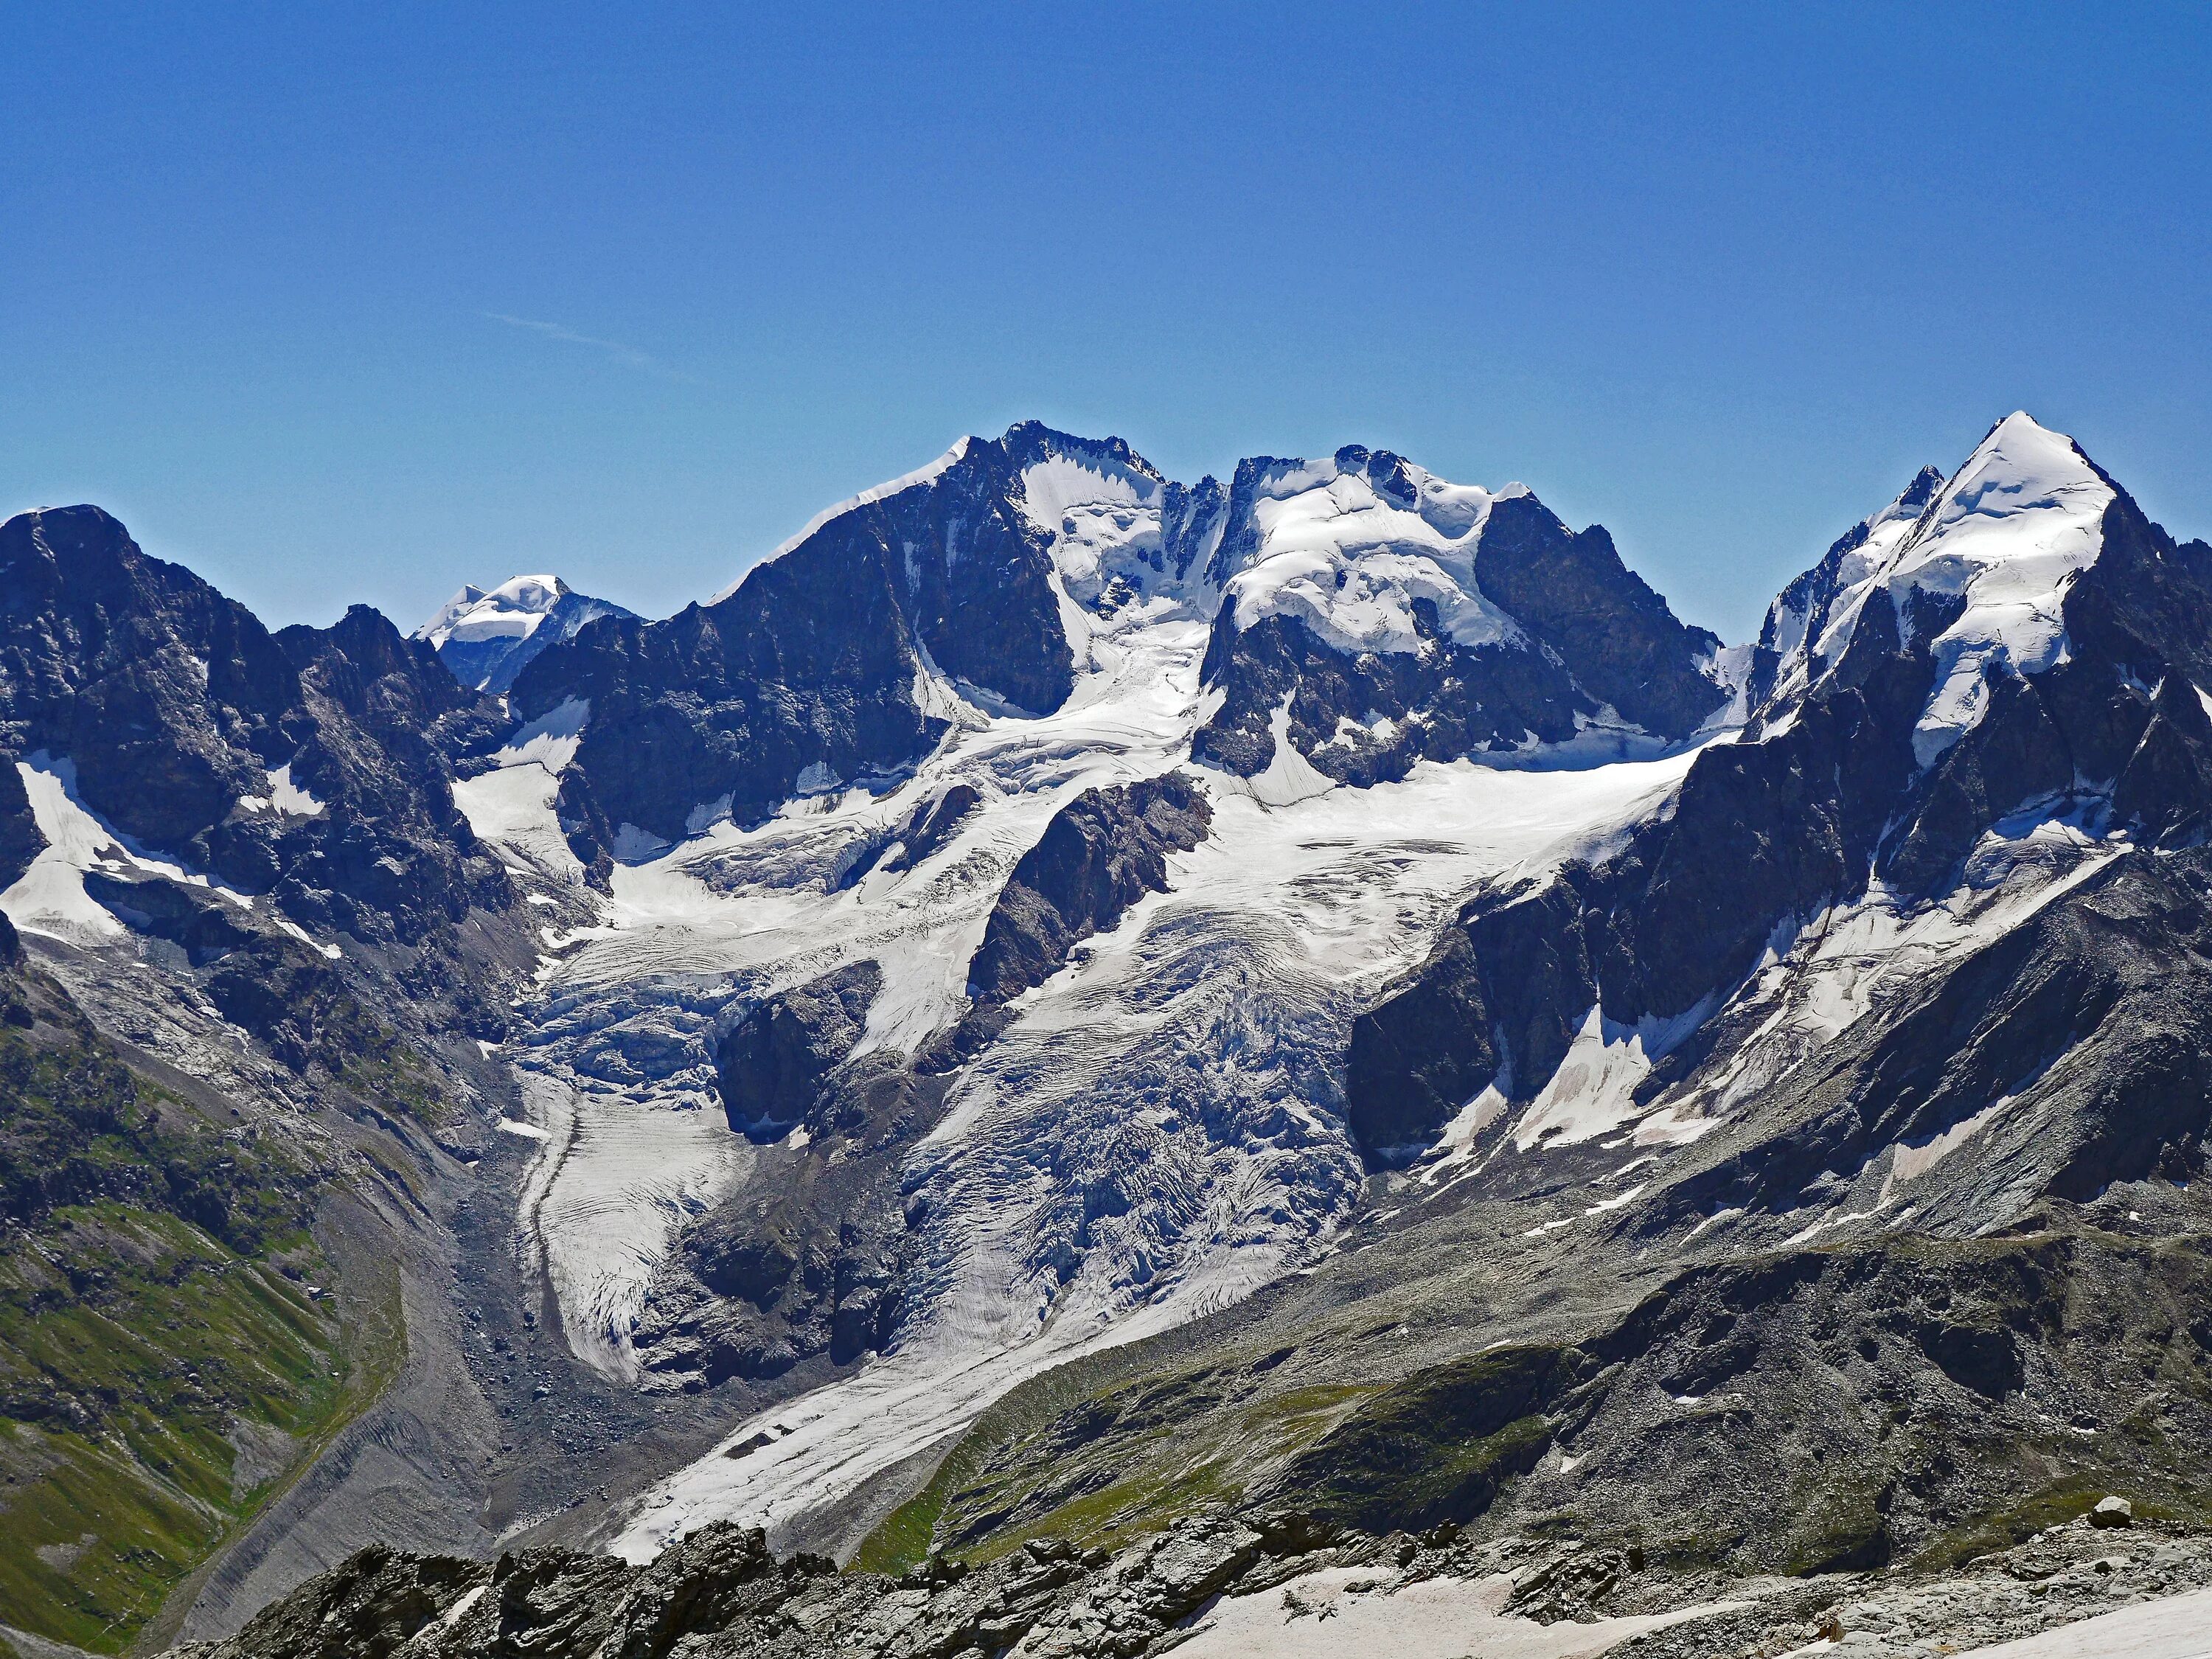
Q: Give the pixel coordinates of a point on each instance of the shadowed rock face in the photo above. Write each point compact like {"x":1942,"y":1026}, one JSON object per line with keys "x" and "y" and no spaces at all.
{"x":1614,"y":635}
{"x":1368,"y":719}
{"x":773,"y":1061}
{"x":173,"y":704}
{"x":1101,"y":853}
{"x":806,"y":673}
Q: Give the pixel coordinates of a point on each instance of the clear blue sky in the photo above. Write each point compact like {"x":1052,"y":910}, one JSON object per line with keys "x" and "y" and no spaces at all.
{"x":343,"y":302}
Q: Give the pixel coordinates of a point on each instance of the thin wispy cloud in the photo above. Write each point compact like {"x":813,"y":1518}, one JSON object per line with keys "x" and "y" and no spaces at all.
{"x":629,"y":356}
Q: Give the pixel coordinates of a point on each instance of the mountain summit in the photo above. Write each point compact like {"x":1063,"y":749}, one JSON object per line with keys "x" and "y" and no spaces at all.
{"x":487,"y":637}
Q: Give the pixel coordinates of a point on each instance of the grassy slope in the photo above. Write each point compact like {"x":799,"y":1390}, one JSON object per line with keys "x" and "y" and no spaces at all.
{"x":1807,"y":1456}
{"x":164,"y":1367}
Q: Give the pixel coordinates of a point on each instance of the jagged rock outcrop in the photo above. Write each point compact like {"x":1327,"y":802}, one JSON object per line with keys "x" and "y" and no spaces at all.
{"x":1101,"y":852}
{"x":772,"y":1063}
{"x":310,"y":765}
{"x":814,"y":672}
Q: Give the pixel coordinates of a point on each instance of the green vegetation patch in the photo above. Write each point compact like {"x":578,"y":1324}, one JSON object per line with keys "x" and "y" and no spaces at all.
{"x":1437,"y":1446}
{"x":166,"y":1359}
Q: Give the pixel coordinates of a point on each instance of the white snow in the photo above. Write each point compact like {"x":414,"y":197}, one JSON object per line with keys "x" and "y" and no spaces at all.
{"x":1288,"y":777}
{"x":2007,"y":535}
{"x":2171,"y":1628}
{"x":1104,"y":520}
{"x":509,"y":1126}
{"x":511,"y":805}
{"x":49,"y":897}
{"x":647,"y":1168}
{"x":1591,"y":1093}
{"x":510,"y":611}
{"x":1087,"y":1184}
{"x":1349,"y":563}
{"x":1820,"y":977}
{"x":1228,"y":1175}
{"x":1804,"y":657}
{"x":286,"y":796}
{"x":1908,"y":1163}
{"x":1342,"y":1611}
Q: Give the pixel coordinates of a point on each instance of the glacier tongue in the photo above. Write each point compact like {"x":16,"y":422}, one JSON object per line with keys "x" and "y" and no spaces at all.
{"x":1093,"y":1182}
{"x":1088,"y":1183}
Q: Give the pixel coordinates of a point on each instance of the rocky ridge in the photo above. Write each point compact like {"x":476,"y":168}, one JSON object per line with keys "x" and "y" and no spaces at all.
{"x":721,"y":1593}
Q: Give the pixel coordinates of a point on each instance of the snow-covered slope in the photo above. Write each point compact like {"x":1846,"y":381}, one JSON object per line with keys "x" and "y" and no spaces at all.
{"x":1331,"y":547}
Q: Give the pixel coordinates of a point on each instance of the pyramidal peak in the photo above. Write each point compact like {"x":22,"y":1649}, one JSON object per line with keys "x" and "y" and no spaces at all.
{"x":1983,"y":558}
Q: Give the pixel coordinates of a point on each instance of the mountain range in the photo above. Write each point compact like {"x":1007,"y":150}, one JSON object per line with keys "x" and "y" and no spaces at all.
{"x":1069,"y":1022}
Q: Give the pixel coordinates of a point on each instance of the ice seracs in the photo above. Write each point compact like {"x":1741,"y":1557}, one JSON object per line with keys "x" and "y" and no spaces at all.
{"x":1351,"y":557}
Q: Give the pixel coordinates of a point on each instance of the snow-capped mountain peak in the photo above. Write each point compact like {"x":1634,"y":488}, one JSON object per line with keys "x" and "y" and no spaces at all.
{"x":1986,"y":561}
{"x":511,"y":610}
{"x":485,"y":635}
{"x":1350,"y":543}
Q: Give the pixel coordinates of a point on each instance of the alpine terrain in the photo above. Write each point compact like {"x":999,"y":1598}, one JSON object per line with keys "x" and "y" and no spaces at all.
{"x":1081,"y":1064}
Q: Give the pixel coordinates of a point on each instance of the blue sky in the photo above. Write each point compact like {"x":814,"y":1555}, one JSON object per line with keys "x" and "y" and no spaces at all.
{"x":358,"y":302}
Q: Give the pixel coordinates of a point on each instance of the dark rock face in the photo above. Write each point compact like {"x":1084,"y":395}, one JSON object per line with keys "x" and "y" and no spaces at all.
{"x":814,"y":1263}
{"x":809,"y":669}
{"x":773,"y":1062}
{"x":101,"y":651}
{"x":721,"y":1593}
{"x":814,"y":1259}
{"x":1101,"y":853}
{"x":173,"y":704}
{"x":2086,"y":1020}
{"x":550,"y":1603}
{"x":1981,"y":1356}
{"x":1444,"y":702}
{"x":1806,"y":606}
{"x":1614,"y":635}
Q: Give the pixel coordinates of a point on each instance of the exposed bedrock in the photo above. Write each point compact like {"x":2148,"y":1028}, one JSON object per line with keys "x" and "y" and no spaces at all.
{"x":171,"y":705}
{"x":806,"y":675}
{"x":2064,"y":1056}
{"x":1101,"y":852}
{"x":1367,"y":718}
{"x":773,"y":1061}
{"x":809,"y":1256}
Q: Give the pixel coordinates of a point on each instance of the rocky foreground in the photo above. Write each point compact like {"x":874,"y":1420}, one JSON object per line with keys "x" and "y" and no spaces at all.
{"x":1211,"y":1586}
